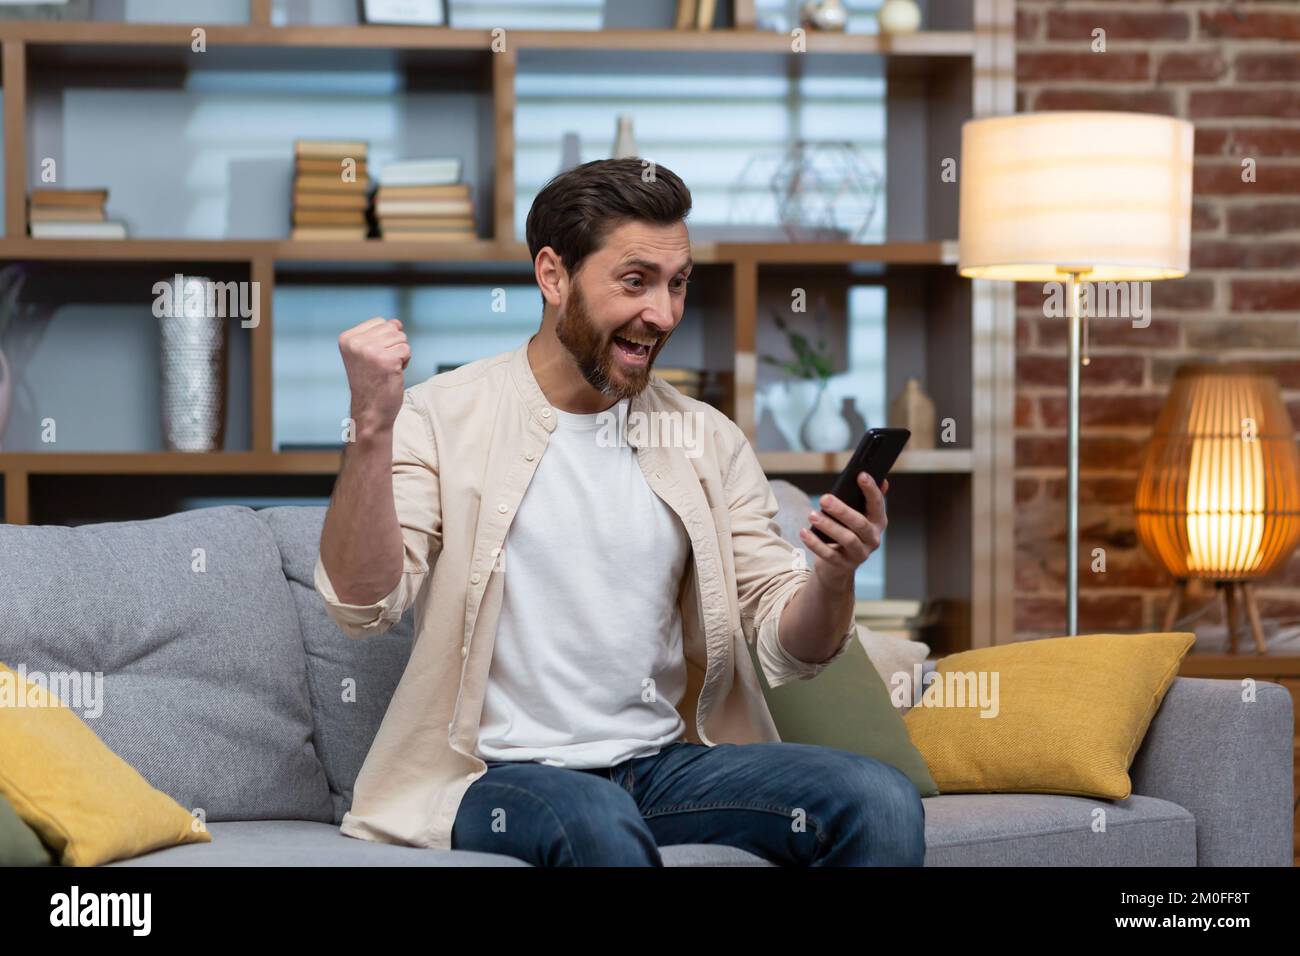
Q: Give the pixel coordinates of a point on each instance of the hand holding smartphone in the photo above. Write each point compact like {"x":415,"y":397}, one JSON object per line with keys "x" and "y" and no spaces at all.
{"x":875,"y":454}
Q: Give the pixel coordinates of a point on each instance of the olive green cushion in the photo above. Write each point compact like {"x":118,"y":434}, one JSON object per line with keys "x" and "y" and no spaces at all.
{"x":846,"y":706}
{"x":19,"y":845}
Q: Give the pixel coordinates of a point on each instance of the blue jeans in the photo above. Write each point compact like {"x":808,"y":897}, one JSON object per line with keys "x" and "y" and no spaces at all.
{"x":792,"y":804}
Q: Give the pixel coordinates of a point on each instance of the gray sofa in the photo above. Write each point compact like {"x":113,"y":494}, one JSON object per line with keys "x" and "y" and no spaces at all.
{"x":227,"y":686}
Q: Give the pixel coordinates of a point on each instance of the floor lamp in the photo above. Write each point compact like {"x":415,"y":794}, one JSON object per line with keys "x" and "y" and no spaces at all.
{"x":1076,"y":198}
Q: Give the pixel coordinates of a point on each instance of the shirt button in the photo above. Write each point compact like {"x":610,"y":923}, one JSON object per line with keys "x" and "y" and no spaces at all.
{"x":464,"y":652}
{"x":546,"y":413}
{"x":529,"y":457}
{"x":502,"y":508}
{"x":469,"y":776}
{"x":474,"y":578}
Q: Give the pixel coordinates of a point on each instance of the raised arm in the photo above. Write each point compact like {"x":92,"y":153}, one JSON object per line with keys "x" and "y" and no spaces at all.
{"x":383,"y":521}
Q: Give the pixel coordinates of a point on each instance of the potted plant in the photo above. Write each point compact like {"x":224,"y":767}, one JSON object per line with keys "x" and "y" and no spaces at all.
{"x":804,"y":398}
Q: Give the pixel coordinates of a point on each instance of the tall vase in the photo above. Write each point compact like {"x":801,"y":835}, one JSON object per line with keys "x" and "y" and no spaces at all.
{"x":825,"y":429}
{"x":790,"y":401}
{"x":625,"y":141}
{"x":6,"y":395}
{"x":193,"y":344}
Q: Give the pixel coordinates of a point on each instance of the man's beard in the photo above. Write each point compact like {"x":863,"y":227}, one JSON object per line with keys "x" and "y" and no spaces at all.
{"x":594,"y":354}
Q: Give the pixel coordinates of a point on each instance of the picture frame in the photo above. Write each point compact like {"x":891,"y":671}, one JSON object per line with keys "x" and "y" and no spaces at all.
{"x":421,"y":13}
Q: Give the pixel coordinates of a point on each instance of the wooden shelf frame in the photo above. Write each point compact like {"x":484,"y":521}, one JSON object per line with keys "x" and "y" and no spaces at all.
{"x":924,"y":45}
{"x":982,"y":57}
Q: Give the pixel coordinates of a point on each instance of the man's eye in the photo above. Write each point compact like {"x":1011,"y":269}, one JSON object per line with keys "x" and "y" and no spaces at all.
{"x":632,"y":279}
{"x":683,"y":283}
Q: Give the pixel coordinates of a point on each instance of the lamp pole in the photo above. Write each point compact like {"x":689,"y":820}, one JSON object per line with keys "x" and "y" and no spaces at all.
{"x":1073,"y":359}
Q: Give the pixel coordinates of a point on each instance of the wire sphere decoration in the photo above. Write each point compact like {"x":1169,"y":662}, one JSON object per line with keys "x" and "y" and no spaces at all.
{"x":826,"y":190}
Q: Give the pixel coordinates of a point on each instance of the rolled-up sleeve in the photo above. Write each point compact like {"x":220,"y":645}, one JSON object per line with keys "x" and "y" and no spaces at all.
{"x":769,"y":569}
{"x":779,"y":665}
{"x":416,"y":499}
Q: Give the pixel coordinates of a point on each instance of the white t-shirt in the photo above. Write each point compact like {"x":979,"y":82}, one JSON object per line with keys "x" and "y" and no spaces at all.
{"x":588,"y":668}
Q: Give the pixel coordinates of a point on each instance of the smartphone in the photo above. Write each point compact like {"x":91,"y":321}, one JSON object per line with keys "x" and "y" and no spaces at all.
{"x":876,"y":454}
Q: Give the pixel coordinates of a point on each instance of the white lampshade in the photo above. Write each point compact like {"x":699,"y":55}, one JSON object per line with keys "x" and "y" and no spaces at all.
{"x":1105,"y":193}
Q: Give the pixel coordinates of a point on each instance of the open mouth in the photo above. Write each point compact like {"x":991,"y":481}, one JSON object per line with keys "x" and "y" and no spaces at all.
{"x":632,"y":351}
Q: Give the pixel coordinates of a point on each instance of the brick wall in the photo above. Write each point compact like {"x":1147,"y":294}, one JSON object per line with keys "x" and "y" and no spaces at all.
{"x":1234,"y":70}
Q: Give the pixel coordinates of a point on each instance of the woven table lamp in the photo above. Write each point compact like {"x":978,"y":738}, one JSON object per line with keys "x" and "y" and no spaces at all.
{"x":1219,"y":493}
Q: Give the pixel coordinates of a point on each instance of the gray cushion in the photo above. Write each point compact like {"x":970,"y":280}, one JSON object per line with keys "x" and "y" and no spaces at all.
{"x":297,"y":843}
{"x":1029,"y":829}
{"x":204,"y":677}
{"x":344,"y":729}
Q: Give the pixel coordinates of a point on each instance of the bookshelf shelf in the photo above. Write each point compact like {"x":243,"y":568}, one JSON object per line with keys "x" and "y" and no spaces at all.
{"x":935,"y":461}
{"x":939,"y":461}
{"x":955,"y":548}
{"x":924,"y":45}
{"x":172,"y":463}
{"x":484,"y":250}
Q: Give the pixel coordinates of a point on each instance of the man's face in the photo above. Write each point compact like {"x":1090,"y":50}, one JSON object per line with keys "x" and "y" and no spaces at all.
{"x":624,"y":302}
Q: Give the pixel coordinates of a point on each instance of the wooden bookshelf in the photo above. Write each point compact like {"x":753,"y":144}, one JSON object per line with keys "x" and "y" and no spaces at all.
{"x":960,"y":69}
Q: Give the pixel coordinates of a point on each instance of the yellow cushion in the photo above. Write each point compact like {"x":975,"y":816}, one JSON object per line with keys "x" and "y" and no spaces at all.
{"x":1069,"y":713}
{"x":86,"y":803}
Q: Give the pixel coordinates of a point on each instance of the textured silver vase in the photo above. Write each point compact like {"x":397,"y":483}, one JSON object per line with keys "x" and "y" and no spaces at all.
{"x":192,"y":359}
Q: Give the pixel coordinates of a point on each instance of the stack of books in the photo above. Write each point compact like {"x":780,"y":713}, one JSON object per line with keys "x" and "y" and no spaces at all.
{"x":896,"y":617}
{"x":424,"y":200}
{"x":699,"y":14}
{"x":71,"y":214}
{"x":688,"y":381}
{"x":330,"y":185}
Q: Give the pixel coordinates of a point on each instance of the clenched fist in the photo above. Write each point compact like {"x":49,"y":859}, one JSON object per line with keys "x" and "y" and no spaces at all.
{"x":375,"y":354}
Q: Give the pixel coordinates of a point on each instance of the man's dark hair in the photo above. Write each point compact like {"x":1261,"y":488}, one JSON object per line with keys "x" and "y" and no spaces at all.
{"x":577,"y":209}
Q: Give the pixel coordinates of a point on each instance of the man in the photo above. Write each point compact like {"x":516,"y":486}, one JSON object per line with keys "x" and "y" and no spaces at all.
{"x":580,"y":691}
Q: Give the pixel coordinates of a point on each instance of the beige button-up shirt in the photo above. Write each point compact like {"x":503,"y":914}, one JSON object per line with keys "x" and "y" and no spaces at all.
{"x":465,"y":446}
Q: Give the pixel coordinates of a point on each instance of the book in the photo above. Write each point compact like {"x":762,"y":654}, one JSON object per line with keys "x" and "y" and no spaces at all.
{"x":329,"y":217}
{"x":424,"y":235}
{"x":329,"y":184}
{"x":424,"y":207}
{"x":66,"y":213}
{"x":78,"y":230}
{"x":903,"y":634}
{"x":69,"y":197}
{"x":323,"y":200}
{"x":421,"y":172}
{"x":454,"y":191}
{"x":427,"y":222}
{"x":704,"y":14}
{"x":685,"y":14}
{"x":333,"y":149}
{"x":888,"y":607}
{"x":329,"y":167}
{"x":328,"y":232}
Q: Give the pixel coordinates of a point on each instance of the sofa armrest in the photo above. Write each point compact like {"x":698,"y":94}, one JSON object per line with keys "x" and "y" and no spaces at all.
{"x":1227,"y":761}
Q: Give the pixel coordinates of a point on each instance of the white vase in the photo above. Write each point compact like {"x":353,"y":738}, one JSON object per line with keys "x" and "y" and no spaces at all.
{"x":825,"y":429}
{"x":625,"y":141}
{"x":899,"y":16}
{"x":790,"y":402}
